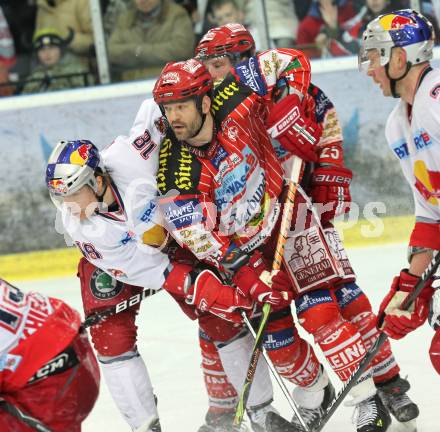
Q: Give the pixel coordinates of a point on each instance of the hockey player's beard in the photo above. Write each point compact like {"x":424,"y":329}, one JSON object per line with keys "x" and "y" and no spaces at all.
{"x":185,"y":131}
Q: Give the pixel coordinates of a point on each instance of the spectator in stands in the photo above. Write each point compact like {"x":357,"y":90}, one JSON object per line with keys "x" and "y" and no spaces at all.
{"x":64,"y":15}
{"x":345,"y":38}
{"x":20,"y":15}
{"x":150,"y":34}
{"x":329,"y":13}
{"x":282,"y":22}
{"x":111,"y":11}
{"x":7,"y":55}
{"x":56,"y":69}
{"x":225,"y":12}
{"x":302,"y":8}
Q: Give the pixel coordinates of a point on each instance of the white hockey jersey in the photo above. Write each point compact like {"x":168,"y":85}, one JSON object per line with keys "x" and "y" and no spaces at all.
{"x":415,"y":141}
{"x":113,"y":240}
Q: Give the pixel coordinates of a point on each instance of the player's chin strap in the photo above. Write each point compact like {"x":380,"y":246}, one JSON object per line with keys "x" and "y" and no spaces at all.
{"x":200,"y":110}
{"x":393,"y":81}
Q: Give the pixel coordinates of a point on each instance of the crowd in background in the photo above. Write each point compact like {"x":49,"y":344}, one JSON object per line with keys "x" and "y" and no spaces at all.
{"x":48,"y":45}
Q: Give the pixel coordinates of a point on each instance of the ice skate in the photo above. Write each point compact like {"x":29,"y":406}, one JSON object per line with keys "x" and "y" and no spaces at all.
{"x":265,"y":418}
{"x":313,"y":401}
{"x":394,"y":396}
{"x":371,"y":415}
{"x":222,"y":422}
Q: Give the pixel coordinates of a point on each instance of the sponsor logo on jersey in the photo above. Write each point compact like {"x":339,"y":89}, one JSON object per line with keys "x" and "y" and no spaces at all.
{"x":182,"y":174}
{"x":103,"y":286}
{"x":315,"y":298}
{"x":279,"y":339}
{"x":147,"y":214}
{"x":422,"y":139}
{"x":250,"y":75}
{"x":400,"y":148}
{"x":182,"y":213}
{"x":347,"y":294}
{"x":227,"y":96}
{"x":161,"y":124}
{"x":226,"y":166}
{"x":223,"y":94}
{"x":57,"y":365}
{"x":128,"y":237}
{"x":220,"y":155}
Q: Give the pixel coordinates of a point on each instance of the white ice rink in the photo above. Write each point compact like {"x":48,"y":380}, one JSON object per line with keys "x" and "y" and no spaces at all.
{"x":169,"y":345}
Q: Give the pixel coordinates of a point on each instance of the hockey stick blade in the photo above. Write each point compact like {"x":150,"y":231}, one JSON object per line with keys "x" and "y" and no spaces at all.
{"x":276,"y":423}
{"x":118,"y":308}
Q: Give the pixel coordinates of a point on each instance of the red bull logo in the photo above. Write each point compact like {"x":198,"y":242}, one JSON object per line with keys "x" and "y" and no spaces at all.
{"x":395,"y":22}
{"x":80,"y":155}
{"x":57,"y":186}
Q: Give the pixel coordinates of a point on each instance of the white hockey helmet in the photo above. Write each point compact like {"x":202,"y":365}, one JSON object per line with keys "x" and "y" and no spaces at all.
{"x":72,"y":165}
{"x":404,"y":28}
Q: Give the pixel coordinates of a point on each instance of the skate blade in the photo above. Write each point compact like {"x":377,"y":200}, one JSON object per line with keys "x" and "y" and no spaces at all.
{"x":409,"y":426}
{"x":276,"y":423}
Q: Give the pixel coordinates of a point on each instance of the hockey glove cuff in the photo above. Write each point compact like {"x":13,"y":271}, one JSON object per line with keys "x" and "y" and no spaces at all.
{"x":397,"y":322}
{"x":331,"y":188}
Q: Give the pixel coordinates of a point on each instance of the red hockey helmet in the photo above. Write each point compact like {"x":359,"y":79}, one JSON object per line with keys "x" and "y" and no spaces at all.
{"x":182,"y":80}
{"x":232,"y":39}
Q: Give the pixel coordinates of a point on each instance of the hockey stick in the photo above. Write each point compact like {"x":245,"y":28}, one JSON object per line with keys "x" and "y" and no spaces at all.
{"x":277,"y":377}
{"x":118,"y":308}
{"x":429,"y":272}
{"x":282,"y":238}
{"x":25,"y":418}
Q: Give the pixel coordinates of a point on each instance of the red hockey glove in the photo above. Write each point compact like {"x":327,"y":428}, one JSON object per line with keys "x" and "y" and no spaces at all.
{"x":253,"y":281}
{"x":209,"y":294}
{"x":296,"y":132}
{"x":331,"y":188}
{"x":399,"y":323}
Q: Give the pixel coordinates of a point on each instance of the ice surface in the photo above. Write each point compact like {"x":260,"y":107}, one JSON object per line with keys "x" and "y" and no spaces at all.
{"x":169,"y":345}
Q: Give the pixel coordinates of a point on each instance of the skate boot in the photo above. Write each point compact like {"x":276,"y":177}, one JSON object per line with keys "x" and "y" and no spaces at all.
{"x":260,"y":415}
{"x":311,"y":416}
{"x":394,"y":397}
{"x":371,"y":415}
{"x":313,"y":401}
{"x":222,"y":422}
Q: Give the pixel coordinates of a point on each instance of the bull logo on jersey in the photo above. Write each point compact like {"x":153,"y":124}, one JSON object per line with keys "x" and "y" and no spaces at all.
{"x":427,"y":182}
{"x":103,"y":286}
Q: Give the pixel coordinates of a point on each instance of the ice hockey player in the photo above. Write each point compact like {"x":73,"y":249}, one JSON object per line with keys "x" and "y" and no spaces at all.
{"x":192,"y":170}
{"x":362,"y":302}
{"x":327,"y":183}
{"x":112,"y":220}
{"x":48,"y":372}
{"x":395,"y":53}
